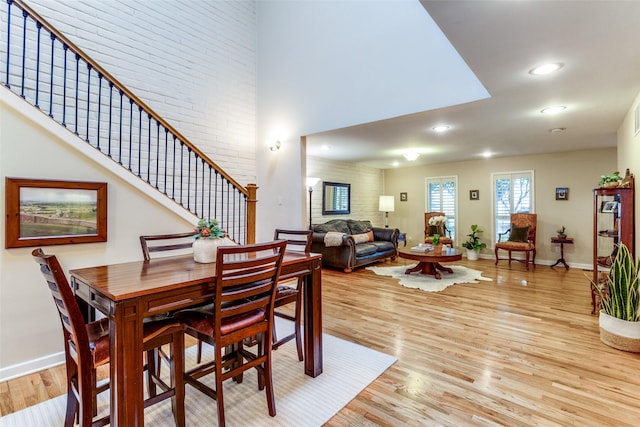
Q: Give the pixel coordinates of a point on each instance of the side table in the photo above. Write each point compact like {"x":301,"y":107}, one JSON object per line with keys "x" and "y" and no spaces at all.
{"x":562,"y":241}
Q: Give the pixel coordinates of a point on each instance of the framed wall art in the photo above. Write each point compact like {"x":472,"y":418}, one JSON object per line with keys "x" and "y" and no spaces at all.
{"x":44,"y":212}
{"x":403,"y":197}
{"x":474,"y":194}
{"x":562,"y":193}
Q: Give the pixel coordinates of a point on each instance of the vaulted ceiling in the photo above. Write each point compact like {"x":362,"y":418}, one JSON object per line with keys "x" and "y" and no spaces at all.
{"x":501,"y":41}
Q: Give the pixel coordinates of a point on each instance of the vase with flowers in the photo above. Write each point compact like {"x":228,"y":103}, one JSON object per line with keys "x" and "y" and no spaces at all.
{"x":208,"y":235}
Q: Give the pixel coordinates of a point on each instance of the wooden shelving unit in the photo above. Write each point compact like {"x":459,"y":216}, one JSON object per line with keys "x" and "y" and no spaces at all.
{"x":613,"y":223}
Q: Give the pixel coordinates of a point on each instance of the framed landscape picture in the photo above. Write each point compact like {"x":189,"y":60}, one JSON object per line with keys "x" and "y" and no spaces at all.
{"x":44,"y":212}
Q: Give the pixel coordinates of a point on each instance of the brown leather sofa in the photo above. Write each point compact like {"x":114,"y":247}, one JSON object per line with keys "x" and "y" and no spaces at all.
{"x":348,"y":244}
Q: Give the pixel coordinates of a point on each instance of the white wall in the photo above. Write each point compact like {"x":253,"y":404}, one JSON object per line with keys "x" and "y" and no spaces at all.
{"x":30,"y":332}
{"x":629,"y":155}
{"x":579,"y":171}
{"x":324,"y":65}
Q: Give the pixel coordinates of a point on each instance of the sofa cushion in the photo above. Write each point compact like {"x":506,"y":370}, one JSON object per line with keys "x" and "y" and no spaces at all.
{"x":338,"y":225}
{"x":364,"y":249}
{"x":359,"y":227}
{"x":382,"y":246}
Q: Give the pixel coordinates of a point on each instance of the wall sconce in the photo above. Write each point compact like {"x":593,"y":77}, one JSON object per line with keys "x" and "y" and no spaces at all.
{"x":386,"y":205}
{"x":311,"y":182}
{"x":275,"y":146}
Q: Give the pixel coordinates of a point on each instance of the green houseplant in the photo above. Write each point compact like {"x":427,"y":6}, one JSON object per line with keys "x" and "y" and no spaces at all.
{"x":473,"y":244}
{"x":619,"y":294}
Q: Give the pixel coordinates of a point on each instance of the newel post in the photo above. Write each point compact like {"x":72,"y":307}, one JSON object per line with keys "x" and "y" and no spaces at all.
{"x":252,"y":189}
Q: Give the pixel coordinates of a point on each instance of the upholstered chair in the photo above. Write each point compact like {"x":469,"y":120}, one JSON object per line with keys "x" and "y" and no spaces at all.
{"x":521,"y":238}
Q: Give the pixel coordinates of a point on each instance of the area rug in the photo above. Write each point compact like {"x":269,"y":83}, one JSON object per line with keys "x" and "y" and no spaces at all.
{"x":300,"y":400}
{"x":428,"y":283}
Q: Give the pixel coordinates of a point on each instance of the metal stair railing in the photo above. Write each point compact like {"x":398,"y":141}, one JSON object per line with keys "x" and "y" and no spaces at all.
{"x":46,"y":69}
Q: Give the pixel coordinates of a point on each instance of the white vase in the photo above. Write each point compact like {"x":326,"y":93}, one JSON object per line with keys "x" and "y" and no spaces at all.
{"x":205,"y":250}
{"x":620,"y":334}
{"x":472,"y":255}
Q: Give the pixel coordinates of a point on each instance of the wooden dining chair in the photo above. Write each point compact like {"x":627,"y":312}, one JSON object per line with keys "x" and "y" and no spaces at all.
{"x":296,"y":240}
{"x":87,"y":347}
{"x":246,"y":278}
{"x":166,"y":243}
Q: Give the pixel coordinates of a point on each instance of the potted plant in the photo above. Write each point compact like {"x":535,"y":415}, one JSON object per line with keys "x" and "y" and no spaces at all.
{"x":562,"y":233}
{"x":610,"y":181}
{"x":473,"y":244}
{"x":208,"y":235}
{"x":620,"y":302}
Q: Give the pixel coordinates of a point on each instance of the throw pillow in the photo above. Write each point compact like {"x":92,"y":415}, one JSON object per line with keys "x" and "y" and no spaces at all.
{"x":519,"y":234}
{"x":363,"y":238}
{"x":436,"y":229}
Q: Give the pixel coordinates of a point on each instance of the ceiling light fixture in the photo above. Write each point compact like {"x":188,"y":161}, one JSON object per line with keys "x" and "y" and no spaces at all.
{"x":441,"y":128}
{"x":487,"y":154}
{"x":557,"y":130}
{"x":411,"y":156}
{"x":553,"y":110}
{"x":546,"y":69}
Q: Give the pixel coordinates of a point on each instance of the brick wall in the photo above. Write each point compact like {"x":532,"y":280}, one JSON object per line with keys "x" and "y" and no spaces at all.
{"x":192,"y":62}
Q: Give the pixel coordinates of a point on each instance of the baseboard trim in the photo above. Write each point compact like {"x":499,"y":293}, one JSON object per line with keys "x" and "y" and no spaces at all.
{"x":31,"y":366}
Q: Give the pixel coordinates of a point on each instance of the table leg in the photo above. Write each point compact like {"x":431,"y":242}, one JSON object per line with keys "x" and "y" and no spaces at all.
{"x":312,"y":300}
{"x":127,"y":398}
{"x":425,"y":268}
{"x":561,"y":259}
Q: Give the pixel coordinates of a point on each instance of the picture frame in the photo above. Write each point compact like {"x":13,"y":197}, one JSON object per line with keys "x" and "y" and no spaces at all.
{"x":50,"y":212}
{"x":474,"y":194}
{"x":403,"y":197}
{"x":609,"y":206}
{"x":562,"y":193}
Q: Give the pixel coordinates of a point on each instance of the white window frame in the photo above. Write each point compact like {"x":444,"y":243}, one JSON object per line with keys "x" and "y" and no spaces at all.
{"x":453,"y":178}
{"x":494,"y":176}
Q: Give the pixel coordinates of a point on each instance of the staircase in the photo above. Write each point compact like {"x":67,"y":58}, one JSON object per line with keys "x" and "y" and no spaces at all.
{"x":45,"y":69}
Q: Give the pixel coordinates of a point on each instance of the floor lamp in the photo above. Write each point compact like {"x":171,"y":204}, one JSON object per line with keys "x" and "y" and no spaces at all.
{"x":386,"y":205}
{"x":311,"y":182}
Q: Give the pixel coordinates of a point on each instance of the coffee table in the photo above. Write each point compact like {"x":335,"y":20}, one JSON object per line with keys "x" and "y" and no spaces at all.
{"x":429,"y":262}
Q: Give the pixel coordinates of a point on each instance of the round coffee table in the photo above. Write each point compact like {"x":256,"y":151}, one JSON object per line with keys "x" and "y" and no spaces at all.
{"x":429,"y":262}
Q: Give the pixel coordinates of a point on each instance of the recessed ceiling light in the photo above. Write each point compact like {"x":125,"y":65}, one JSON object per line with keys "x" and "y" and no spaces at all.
{"x":487,"y":154}
{"x":546,"y":69}
{"x":395,"y":164}
{"x":441,"y":128}
{"x":411,"y":156}
{"x":553,"y":110}
{"x":557,"y":130}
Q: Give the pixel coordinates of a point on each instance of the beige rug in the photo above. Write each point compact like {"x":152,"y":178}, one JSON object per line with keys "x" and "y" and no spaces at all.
{"x":427,"y":282}
{"x":300,"y":400}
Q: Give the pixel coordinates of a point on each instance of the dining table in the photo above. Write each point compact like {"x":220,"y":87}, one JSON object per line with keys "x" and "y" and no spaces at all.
{"x":126,"y":293}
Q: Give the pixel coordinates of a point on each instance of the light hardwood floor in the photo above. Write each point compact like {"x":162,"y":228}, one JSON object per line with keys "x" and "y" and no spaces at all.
{"x":522,"y":350}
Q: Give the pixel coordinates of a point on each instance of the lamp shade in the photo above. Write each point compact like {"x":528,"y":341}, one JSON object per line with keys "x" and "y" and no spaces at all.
{"x":312,"y":181}
{"x":386,"y":204}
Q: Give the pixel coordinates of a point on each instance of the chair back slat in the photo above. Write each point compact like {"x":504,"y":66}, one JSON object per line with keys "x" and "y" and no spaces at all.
{"x":297,"y":240}
{"x":166,"y":243}
{"x":245,"y":284}
{"x":65,"y":302}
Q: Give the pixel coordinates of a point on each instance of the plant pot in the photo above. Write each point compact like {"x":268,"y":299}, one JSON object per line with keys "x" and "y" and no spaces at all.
{"x":437,"y":249}
{"x":612,"y":184}
{"x":472,"y":255}
{"x":205,"y":250}
{"x":619,"y":334}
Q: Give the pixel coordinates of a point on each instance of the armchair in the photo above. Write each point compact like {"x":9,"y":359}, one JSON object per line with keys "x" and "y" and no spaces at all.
{"x":430,"y":230}
{"x":522,"y":238}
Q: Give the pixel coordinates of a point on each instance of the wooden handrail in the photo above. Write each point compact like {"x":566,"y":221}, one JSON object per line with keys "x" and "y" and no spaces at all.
{"x":127,"y":92}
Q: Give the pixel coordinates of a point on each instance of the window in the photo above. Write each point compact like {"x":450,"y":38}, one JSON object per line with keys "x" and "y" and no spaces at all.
{"x":513,"y":193}
{"x":442,"y":197}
